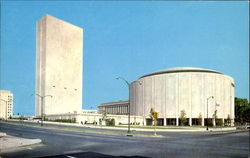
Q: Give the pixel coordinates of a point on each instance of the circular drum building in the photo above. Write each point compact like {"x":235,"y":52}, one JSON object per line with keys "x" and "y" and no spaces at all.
{"x":194,"y":91}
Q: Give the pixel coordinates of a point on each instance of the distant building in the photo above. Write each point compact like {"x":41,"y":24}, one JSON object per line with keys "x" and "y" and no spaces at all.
{"x":114,"y":108}
{"x":6,"y":104}
{"x":59,"y":55}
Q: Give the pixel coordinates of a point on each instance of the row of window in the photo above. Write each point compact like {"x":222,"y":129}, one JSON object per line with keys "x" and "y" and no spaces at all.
{"x":116,"y":109}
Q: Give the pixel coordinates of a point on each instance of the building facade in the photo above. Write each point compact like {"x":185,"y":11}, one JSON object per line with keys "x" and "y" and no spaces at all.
{"x":93,"y":117}
{"x":6,"y":104}
{"x":59,"y":53}
{"x":115,"y":108}
{"x":200,"y":93}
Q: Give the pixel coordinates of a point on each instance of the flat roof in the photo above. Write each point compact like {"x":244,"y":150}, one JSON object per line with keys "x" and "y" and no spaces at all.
{"x":5,"y":91}
{"x":181,"y":69}
{"x":114,"y":103}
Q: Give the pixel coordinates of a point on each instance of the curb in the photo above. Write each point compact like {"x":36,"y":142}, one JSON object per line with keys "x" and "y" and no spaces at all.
{"x":10,"y":142}
{"x":2,"y":134}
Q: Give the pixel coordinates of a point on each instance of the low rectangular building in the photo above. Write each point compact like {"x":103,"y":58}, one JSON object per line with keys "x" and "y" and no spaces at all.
{"x":92,"y":117}
{"x":114,"y":108}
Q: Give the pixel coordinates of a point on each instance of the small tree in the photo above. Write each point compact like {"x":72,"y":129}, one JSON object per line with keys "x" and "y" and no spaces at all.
{"x":112,"y":122}
{"x":228,"y":122}
{"x":183,"y":118}
{"x":151,"y":114}
{"x":104,"y":115}
{"x":154,"y":116}
{"x":134,"y":120}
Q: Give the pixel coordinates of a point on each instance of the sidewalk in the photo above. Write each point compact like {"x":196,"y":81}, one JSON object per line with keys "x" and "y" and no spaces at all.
{"x":9,"y":142}
{"x":125,"y":128}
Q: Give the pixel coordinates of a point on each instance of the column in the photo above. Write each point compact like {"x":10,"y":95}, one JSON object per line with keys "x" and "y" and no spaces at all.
{"x":164,"y":122}
{"x":232,"y":122}
{"x":177,"y":121}
{"x":214,"y":122}
{"x":202,"y":121}
{"x":190,"y":121}
{"x":144,"y":121}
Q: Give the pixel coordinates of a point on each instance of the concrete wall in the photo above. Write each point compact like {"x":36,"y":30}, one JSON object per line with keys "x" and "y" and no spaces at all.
{"x":90,"y":118}
{"x":59,"y":66}
{"x":169,"y":93}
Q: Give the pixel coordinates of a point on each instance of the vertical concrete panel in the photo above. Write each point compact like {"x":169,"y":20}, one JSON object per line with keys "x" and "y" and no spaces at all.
{"x":136,"y":98}
{"x":164,"y":104}
{"x":196,"y":95}
{"x":184,"y":92}
{"x":227,"y":85}
{"x":189,"y":114}
{"x":140,"y":97}
{"x":158,"y":95}
{"x":171,"y":95}
{"x":153,"y":92}
{"x":222,"y":95}
{"x":232,"y":100}
{"x":38,"y":67}
{"x":143,"y":98}
{"x":177,"y":98}
{"x":218,"y":97}
{"x":132,"y":102}
{"x":148,"y":95}
{"x":203,"y":98}
{"x":208,"y":90}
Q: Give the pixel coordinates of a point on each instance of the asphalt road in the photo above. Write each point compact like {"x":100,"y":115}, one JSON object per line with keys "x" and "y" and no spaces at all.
{"x":65,"y":143}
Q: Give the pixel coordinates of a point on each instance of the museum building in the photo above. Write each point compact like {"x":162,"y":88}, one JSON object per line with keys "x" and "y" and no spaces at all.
{"x":202,"y":95}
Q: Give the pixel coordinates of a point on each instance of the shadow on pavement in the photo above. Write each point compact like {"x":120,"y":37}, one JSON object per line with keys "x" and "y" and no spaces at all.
{"x":90,"y":155}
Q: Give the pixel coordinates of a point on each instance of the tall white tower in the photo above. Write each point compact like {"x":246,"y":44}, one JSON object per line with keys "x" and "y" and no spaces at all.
{"x":59,"y":52}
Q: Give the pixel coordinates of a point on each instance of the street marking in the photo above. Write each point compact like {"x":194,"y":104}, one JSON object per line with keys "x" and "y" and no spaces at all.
{"x":71,"y":156}
{"x":73,"y":151}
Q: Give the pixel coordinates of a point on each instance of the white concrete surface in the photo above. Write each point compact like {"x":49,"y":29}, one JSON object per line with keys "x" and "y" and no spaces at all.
{"x":10,"y":142}
{"x":59,"y":56}
{"x":172,"y":90}
{"x":2,"y":134}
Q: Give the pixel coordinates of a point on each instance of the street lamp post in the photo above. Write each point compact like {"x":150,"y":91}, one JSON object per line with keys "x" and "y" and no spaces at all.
{"x":128,"y":101}
{"x":42,"y":104}
{"x":207,"y":109}
{"x":129,"y":132}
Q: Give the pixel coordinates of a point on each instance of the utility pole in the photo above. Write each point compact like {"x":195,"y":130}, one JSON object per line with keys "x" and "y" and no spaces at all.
{"x":42,"y":105}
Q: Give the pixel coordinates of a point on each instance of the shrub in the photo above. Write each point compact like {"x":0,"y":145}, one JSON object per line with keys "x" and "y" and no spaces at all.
{"x":183,"y":118}
{"x":210,"y":122}
{"x":219,"y":122}
{"x":73,"y":120}
{"x":110,"y":122}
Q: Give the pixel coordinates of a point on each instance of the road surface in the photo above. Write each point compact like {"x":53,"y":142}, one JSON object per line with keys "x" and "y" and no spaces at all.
{"x":67,"y":143}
